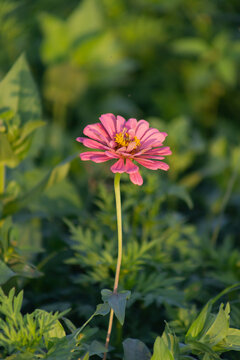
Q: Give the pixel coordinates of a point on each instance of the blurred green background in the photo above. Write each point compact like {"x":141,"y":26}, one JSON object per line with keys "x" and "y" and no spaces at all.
{"x":174,"y":63}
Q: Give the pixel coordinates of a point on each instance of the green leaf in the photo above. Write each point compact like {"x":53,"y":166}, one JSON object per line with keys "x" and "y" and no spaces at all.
{"x":57,"y":174}
{"x":232,"y":340}
{"x":190,"y":46}
{"x":62,"y":349}
{"x":102,"y":309}
{"x":117,"y":301}
{"x":19,"y":93}
{"x":181,"y":193}
{"x":57,"y":331}
{"x":5,"y":273}
{"x":198,"y":324}
{"x":27,"y":129}
{"x":96,"y":348}
{"x":86,"y":356}
{"x":204,"y":349}
{"x":17,"y":302}
{"x":7,"y":156}
{"x":79,"y":23}
{"x":219,"y":328}
{"x":227,"y":70}
{"x":69,"y":325}
{"x":135,"y":350}
{"x":161,"y":351}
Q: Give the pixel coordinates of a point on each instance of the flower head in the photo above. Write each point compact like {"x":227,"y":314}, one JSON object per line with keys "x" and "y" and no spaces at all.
{"x":129,"y":142}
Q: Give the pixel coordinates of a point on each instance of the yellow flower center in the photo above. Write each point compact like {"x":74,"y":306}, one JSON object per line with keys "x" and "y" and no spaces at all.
{"x":123,"y":139}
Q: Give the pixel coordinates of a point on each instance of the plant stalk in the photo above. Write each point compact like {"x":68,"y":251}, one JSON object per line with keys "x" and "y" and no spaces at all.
{"x":2,"y":179}
{"x":119,"y":260}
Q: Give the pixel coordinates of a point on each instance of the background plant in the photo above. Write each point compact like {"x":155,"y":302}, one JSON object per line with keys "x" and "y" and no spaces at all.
{"x":174,"y":64}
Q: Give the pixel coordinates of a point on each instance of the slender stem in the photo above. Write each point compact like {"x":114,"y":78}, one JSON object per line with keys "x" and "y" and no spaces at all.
{"x":2,"y":179}
{"x":119,"y":227}
{"x":119,"y":260}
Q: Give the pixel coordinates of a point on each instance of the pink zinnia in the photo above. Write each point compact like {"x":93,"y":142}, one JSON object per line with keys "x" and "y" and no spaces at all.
{"x":128,"y":141}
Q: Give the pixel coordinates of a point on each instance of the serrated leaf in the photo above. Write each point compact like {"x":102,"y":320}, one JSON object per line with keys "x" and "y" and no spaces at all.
{"x":5,"y":273}
{"x":62,"y":349}
{"x":135,"y":350}
{"x":161,"y":351}
{"x":56,"y":331}
{"x":17,"y":302}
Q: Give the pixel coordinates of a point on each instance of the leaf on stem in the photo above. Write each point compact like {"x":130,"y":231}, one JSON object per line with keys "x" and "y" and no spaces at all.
{"x":117,"y":301}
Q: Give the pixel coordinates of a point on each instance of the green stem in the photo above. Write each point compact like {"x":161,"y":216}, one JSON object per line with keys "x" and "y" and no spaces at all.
{"x":2,"y":179}
{"x":119,"y":227}
{"x":119,"y":260}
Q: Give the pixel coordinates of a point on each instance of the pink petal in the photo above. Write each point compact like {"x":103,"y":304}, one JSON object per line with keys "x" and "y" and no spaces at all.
{"x":112,"y":155}
{"x":93,"y":144}
{"x":96,"y":132}
{"x":131,"y":123}
{"x":141,"y":128}
{"x":99,"y":158}
{"x":152,"y":157}
{"x":130,"y":167}
{"x":109,"y":123}
{"x":120,"y":123}
{"x":80,"y":139}
{"x":154,"y":134}
{"x":153,"y":165}
{"x":160,"y":151}
{"x":131,"y":146}
{"x":87,"y":155}
{"x":136,"y":178}
{"x":118,"y":167}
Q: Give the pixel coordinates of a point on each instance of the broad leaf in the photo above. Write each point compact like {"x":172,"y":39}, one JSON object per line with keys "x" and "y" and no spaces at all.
{"x":218,"y":330}
{"x":19,"y":93}
{"x":7,"y":156}
{"x":117,"y":301}
{"x":5,"y":273}
{"x":96,"y":348}
{"x":198,"y":324}
{"x":135,"y":350}
{"x":161,"y":351}
{"x":57,"y":174}
{"x":102,"y":309}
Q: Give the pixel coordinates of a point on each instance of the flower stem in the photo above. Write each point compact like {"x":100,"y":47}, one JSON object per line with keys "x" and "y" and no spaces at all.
{"x":119,"y":260}
{"x":2,"y":179}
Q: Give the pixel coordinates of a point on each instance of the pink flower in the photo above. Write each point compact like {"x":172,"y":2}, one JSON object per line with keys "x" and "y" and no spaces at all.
{"x":127,"y":141}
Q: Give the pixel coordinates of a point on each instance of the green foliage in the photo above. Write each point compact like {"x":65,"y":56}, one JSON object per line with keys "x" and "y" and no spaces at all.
{"x":138,"y":59}
{"x":135,"y":350}
{"x":28,"y":333}
{"x":20,"y":113}
{"x":117,"y":302}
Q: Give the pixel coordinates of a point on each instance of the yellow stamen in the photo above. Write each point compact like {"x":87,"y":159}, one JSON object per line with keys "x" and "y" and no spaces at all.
{"x":123,"y":139}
